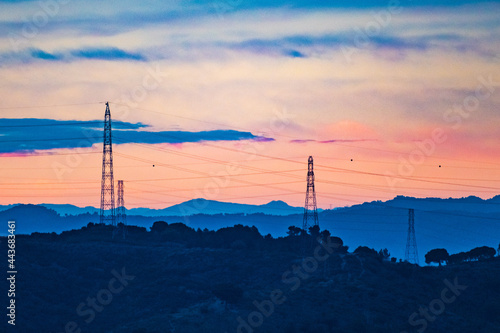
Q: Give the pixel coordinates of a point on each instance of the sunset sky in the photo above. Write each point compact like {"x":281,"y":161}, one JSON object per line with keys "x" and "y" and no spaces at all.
{"x":227,"y":99}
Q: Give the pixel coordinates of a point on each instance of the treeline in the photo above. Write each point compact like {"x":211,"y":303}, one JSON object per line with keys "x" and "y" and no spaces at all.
{"x":478,"y":253}
{"x":440,"y":256}
{"x":240,"y":237}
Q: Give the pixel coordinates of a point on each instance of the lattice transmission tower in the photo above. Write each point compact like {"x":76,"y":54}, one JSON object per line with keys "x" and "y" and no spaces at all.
{"x":107,"y":181}
{"x":310,"y":208}
{"x":411,"y":253}
{"x":121,"y":215}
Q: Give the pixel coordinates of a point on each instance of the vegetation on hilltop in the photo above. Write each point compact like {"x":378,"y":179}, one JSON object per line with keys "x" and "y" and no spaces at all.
{"x":178,"y":279}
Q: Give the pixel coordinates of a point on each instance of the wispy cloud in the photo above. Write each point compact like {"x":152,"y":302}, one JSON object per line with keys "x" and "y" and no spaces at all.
{"x":330,"y":141}
{"x":321,"y":4}
{"x":301,"y":29}
{"x":293,"y":46}
{"x":30,"y":135}
{"x":111,"y":53}
{"x":106,"y":54}
{"x":39,"y":54}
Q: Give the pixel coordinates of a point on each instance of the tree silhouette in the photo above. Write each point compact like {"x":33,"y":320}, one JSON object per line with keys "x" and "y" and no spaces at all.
{"x":384,"y":254}
{"x":458,"y":258}
{"x":437,"y":256}
{"x":325,"y":234}
{"x":478,"y":253}
{"x":364,"y":250}
{"x":293,"y":231}
{"x":483,"y":252}
{"x":159,"y":226}
{"x":314,"y":231}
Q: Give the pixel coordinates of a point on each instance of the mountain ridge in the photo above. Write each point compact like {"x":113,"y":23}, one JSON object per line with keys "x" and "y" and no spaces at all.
{"x":190,"y":207}
{"x":281,"y":208}
{"x":455,"y":224}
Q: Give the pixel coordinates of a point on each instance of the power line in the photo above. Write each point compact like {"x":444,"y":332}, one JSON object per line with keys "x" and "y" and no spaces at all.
{"x":282,"y":135}
{"x":46,"y":106}
{"x":327,"y":167}
{"x":54,"y":139}
{"x":350,"y":171}
{"x":94,"y":122}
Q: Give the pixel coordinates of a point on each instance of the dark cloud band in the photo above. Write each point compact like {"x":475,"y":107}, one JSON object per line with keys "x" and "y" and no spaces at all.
{"x":30,"y":135}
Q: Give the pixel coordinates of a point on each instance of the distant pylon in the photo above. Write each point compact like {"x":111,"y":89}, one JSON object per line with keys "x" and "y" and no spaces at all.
{"x":310,"y":208}
{"x":411,"y":253}
{"x":121,"y":215}
{"x":107,"y":181}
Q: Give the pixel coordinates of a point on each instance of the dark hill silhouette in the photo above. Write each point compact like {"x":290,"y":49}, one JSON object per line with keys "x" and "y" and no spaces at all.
{"x":178,"y":279}
{"x":31,"y":218}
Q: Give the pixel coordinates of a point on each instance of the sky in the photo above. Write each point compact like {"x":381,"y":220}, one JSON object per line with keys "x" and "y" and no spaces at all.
{"x":227,"y":99}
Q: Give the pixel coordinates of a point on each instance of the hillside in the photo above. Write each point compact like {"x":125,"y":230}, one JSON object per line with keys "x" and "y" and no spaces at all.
{"x":455,"y":224}
{"x":173,"y":279}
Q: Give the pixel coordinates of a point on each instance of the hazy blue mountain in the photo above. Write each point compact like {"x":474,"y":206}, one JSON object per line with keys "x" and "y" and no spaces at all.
{"x":5,"y":207}
{"x":210,"y":207}
{"x":468,"y":204}
{"x":191,"y":207}
{"x":455,"y":224}
{"x":31,"y":218}
{"x":71,"y":209}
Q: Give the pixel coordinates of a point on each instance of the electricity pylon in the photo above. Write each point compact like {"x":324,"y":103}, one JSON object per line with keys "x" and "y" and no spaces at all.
{"x":411,"y":253}
{"x":107,"y":214}
{"x":310,"y":207}
{"x":121,"y":215}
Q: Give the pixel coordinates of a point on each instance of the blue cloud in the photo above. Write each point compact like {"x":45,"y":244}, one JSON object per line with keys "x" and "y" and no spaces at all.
{"x":314,"y":3}
{"x":295,"y":54}
{"x":299,"y":46}
{"x":28,"y":56}
{"x":28,"y":135}
{"x":180,"y":136}
{"x":399,"y":43}
{"x":231,"y":6}
{"x":288,"y":46}
{"x":39,"y":54}
{"x":107,"y":54}
{"x":293,"y":46}
{"x":330,"y":141}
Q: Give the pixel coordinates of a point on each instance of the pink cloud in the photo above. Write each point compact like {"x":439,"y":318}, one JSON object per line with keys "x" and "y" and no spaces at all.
{"x":18,"y":154}
{"x":348,"y":130}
